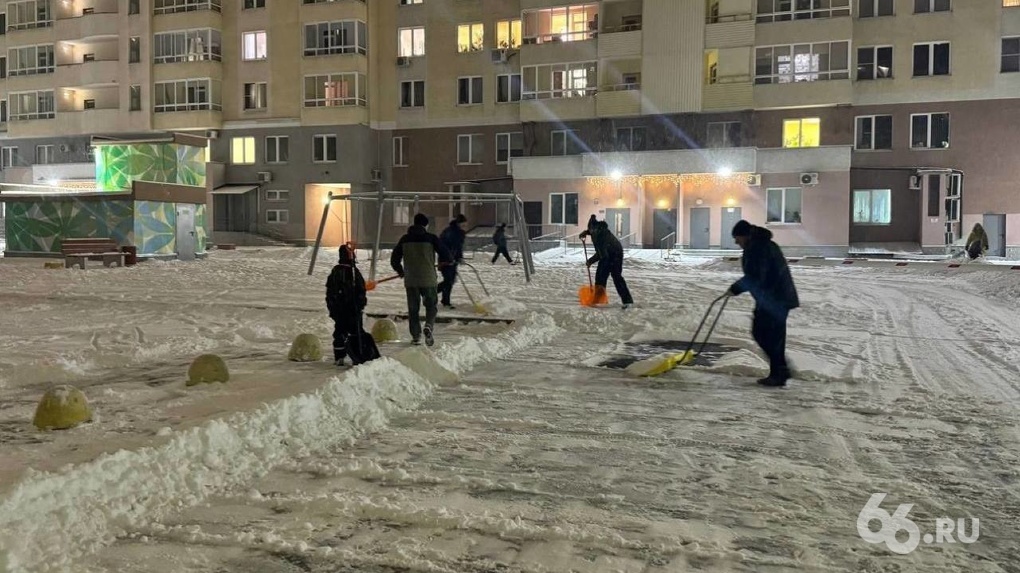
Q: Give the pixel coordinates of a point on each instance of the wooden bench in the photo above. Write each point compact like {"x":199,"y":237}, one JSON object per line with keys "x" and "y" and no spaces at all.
{"x":77,"y":251}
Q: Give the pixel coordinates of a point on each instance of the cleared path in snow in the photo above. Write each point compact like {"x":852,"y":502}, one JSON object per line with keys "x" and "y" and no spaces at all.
{"x":542,"y":463}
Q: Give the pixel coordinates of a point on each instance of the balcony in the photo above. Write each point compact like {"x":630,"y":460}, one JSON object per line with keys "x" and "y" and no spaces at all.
{"x":804,"y":159}
{"x":544,"y":105}
{"x":729,"y":31}
{"x":618,"y":100}
{"x":96,"y":22}
{"x":177,"y":6}
{"x":805,"y":93}
{"x":93,"y":73}
{"x":732,"y":92}
{"x":620,"y":44}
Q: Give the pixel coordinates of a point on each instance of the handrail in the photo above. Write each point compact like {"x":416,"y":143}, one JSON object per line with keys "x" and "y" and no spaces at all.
{"x":627,"y":238}
{"x":724,"y":18}
{"x":664,"y":251}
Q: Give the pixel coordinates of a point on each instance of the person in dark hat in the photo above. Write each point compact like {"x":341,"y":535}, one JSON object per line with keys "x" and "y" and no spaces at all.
{"x":346,"y":299}
{"x":499,"y":239}
{"x":767,"y":277}
{"x":414,"y":260}
{"x":453,"y":239}
{"x":609,"y":256}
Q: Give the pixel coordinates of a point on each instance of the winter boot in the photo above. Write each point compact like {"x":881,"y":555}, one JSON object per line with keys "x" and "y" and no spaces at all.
{"x":772,"y":382}
{"x":429,"y":341}
{"x":600,"y":295}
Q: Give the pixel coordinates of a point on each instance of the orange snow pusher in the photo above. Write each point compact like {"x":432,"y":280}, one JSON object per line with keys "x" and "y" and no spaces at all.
{"x":590,"y":295}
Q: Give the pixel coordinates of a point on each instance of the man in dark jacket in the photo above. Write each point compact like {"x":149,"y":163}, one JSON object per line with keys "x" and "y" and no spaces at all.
{"x":499,"y":239}
{"x":609,"y":256}
{"x":414,"y":259}
{"x":767,"y":277}
{"x":453,"y":239}
{"x":346,"y":299}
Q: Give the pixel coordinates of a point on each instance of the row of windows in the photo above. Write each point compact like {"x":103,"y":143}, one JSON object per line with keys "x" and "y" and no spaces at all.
{"x":785,"y":10}
{"x":277,"y":149}
{"x":470,"y":38}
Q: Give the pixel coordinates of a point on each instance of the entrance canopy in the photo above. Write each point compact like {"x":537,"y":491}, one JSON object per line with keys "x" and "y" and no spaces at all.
{"x":234,"y":189}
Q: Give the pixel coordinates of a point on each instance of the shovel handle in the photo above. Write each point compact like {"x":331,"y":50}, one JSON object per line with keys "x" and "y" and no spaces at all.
{"x":586,"y":265}
{"x":370,"y":285}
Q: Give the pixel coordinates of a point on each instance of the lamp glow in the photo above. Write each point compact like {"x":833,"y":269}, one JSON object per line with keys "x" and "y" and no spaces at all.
{"x":725,"y":171}
{"x":616,"y":175}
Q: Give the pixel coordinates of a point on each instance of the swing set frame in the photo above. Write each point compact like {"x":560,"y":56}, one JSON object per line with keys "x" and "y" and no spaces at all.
{"x":513,"y":201}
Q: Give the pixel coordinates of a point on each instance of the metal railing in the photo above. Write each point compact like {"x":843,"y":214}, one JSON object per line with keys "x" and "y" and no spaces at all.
{"x":666,"y":245}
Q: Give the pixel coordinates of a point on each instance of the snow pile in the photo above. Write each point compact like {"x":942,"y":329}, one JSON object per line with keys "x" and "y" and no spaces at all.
{"x":50,"y":519}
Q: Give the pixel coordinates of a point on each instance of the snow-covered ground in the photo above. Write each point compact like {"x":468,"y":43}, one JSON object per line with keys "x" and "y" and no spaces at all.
{"x":538,"y":458}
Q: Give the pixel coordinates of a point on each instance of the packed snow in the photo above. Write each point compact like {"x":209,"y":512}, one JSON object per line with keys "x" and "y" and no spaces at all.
{"x":505,"y":447}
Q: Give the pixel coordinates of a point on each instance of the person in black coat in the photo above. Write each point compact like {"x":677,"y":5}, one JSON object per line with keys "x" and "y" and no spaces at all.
{"x":767,"y":277}
{"x":453,"y":239}
{"x":346,"y":299}
{"x":499,"y":239}
{"x":609,"y":256}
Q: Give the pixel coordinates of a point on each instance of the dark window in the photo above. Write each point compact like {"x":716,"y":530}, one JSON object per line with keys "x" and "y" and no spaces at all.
{"x":922,"y":6}
{"x":934,"y":194}
{"x":136,"y":98}
{"x":134,"y":50}
{"x":929,"y":131}
{"x":508,"y":88}
{"x":874,"y":63}
{"x":469,"y":90}
{"x":412,"y":94}
{"x":931,"y":59}
{"x":90,"y":104}
{"x":1010,"y":55}
{"x":871,"y":8}
{"x":133,"y":7}
{"x":874,"y":132}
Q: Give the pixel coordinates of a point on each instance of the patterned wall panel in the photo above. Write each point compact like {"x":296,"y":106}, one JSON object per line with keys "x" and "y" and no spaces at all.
{"x":41,"y":227}
{"x":155,"y":228}
{"x":201,"y":234}
{"x":118,"y":165}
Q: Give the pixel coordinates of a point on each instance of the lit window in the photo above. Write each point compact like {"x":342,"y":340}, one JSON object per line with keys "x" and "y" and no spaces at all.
{"x":411,"y":41}
{"x":254,"y":46}
{"x":242,"y":150}
{"x":873,"y":206}
{"x":806,"y":132}
{"x":508,"y":33}
{"x":783,"y":205}
{"x":470,"y":38}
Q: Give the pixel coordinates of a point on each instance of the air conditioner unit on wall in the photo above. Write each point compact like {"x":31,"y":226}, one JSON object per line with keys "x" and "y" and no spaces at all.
{"x":809,"y":179}
{"x":65,"y":148}
{"x":915,"y":183}
{"x":212,"y":134}
{"x":498,"y":56}
{"x":265,"y":176}
{"x":754,"y":179}
{"x":376,"y":175}
{"x":403,"y":61}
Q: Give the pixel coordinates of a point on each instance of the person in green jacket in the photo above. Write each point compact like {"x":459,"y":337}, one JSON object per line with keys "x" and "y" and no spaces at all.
{"x":414,"y":260}
{"x":977,"y":242}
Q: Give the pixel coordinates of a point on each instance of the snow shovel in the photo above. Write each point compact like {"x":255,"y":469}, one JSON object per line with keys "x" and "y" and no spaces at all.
{"x":665,"y":362}
{"x":478,"y":276}
{"x":479,"y":308}
{"x":586,"y":294}
{"x":370,"y":285}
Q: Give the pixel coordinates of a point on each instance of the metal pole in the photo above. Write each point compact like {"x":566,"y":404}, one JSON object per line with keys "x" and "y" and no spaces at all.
{"x":378,"y":232}
{"x":322,"y":227}
{"x":523,"y":239}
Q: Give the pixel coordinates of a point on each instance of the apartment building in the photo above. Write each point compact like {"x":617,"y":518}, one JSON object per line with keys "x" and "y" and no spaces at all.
{"x":843,"y":125}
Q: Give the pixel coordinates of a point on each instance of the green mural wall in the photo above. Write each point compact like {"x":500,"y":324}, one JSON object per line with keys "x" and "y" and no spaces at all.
{"x":201,"y":234}
{"x":41,"y":227}
{"x":155,"y":228}
{"x":118,"y":165}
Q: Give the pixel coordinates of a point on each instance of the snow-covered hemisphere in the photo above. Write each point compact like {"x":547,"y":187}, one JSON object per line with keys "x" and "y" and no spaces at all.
{"x":50,"y":519}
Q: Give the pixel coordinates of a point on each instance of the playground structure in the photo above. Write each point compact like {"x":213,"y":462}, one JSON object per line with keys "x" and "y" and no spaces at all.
{"x":382,"y":197}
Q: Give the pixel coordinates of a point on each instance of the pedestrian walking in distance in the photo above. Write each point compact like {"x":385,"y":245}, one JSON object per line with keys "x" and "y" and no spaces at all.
{"x":453,"y":239}
{"x":499,"y":239}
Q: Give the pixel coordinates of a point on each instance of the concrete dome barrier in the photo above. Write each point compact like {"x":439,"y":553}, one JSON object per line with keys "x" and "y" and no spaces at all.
{"x":305,"y":348}
{"x":206,"y":369}
{"x":61,"y":408}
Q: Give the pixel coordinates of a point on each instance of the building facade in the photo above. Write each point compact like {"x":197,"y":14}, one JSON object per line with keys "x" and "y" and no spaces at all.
{"x":842,"y":125}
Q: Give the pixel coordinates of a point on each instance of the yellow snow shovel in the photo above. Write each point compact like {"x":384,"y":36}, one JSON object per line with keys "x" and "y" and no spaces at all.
{"x":479,"y":308}
{"x":667,"y":361}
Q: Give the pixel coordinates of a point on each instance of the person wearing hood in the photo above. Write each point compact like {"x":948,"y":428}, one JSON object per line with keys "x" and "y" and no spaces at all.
{"x":609,"y":256}
{"x":767,"y":277}
{"x":453,"y":239}
{"x":499,"y":239}
{"x":346,"y":299}
{"x":414,"y":260}
{"x":977,"y":242}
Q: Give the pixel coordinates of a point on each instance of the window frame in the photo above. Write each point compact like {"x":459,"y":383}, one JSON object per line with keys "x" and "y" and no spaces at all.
{"x":781,"y":72}
{"x":800,"y":133}
{"x":630,"y":130}
{"x":931,"y":58}
{"x":873,"y":50}
{"x":414,"y":42}
{"x":279,"y":221}
{"x":569,"y":138}
{"x":511,"y":43}
{"x":472,"y":47}
{"x":930,"y":115}
{"x":793,"y":13}
{"x":932,"y":6}
{"x":563,"y":210}
{"x":401,"y":213}
{"x":274,"y":142}
{"x":874,"y":132}
{"x":255,"y":4}
{"x":45,"y":154}
{"x":783,"y":209}
{"x":875,"y":11}
{"x":245,"y":148}
{"x":10,"y":156}
{"x":1015,"y":55}
{"x":265,"y":45}
{"x":400,"y":144}
{"x":359,"y":46}
{"x":471,"y":138}
{"x":413,"y":91}
{"x":871,"y":193}
{"x":510,"y":87}
{"x":725,"y":126}
{"x":359,"y":83}
{"x":470,"y":82}
{"x":259,"y":95}
{"x":277,"y":195}
{"x":325,"y":138}
{"x":508,"y":136}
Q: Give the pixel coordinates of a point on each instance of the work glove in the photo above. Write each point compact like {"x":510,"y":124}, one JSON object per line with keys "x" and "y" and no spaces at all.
{"x":734,"y":290}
